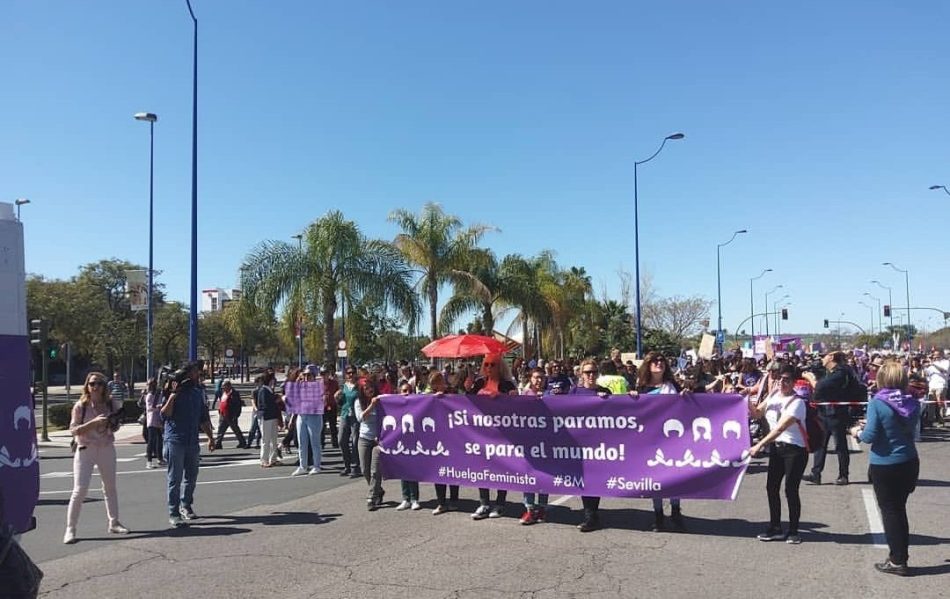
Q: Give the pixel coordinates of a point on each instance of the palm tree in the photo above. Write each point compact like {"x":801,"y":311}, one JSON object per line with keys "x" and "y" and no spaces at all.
{"x":333,"y":255}
{"x":490,"y":289}
{"x":437,"y":245}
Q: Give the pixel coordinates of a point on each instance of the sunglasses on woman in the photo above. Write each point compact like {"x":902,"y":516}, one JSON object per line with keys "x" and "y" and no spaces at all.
{"x":95,"y":384}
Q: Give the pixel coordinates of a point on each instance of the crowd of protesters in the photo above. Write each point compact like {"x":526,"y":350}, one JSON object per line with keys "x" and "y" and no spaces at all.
{"x":907,"y":393}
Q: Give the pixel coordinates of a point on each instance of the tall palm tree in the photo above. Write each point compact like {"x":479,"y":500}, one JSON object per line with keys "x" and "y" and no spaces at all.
{"x":333,"y":255}
{"x":436,"y":244}
{"x":490,"y":289}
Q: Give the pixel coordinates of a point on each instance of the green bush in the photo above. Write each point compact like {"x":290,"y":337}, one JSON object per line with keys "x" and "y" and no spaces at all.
{"x":59,"y":414}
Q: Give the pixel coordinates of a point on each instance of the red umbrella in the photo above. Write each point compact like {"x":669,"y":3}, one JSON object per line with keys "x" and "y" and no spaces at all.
{"x":464,"y":346}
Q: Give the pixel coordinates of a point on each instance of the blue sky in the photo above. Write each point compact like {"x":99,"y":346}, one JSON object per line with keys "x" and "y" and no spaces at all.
{"x":816,"y":126}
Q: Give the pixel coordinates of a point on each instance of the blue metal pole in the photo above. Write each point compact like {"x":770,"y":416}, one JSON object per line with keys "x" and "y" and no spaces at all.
{"x":636,"y":252}
{"x":151,"y":232}
{"x":193,"y":312}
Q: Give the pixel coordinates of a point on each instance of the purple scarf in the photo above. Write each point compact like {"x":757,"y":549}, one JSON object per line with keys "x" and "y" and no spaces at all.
{"x":897,"y":400}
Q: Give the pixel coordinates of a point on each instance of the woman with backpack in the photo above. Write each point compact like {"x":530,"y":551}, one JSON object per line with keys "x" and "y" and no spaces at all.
{"x":92,"y":424}
{"x":785,"y":412}
{"x":894,"y":464}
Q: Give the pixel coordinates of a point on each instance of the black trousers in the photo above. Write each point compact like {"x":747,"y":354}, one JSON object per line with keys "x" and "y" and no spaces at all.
{"x":223,"y":425}
{"x":484,"y":496}
{"x":330,"y":424}
{"x":892,"y":485}
{"x":785,"y":461}
{"x":591,"y":504}
{"x":836,"y":426}
{"x":153,"y":450}
{"x":440,"y":493}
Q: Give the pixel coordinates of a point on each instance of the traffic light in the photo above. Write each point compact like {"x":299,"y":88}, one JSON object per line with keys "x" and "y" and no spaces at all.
{"x":826,"y":323}
{"x":887,"y":310}
{"x":52,"y":352}
{"x":784,"y":313}
{"x":38,"y":332}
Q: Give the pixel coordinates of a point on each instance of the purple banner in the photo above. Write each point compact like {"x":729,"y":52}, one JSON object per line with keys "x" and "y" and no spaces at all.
{"x":304,"y":397}
{"x":693,"y":446}
{"x":19,"y":467}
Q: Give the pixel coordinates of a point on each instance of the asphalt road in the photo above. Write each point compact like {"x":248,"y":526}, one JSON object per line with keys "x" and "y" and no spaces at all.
{"x":264,"y":535}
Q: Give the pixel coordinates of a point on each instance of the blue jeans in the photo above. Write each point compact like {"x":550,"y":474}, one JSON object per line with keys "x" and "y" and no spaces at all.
{"x":309,"y":431}
{"x":529,"y":499}
{"x":254,"y":435}
{"x":182,"y":461}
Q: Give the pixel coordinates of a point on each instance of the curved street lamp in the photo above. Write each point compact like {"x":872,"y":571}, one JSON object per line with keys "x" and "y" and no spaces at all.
{"x":767,"y":294}
{"x":149,"y":118}
{"x":20,"y":202}
{"x":752,"y":303}
{"x":880,"y":325}
{"x":906,"y":290}
{"x":719,"y":247}
{"x":890,"y":300}
{"x":636,"y":232}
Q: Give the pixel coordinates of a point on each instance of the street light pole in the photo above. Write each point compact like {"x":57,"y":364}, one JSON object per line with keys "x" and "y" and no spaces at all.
{"x":193,"y":311}
{"x":767,"y":294}
{"x":719,"y":246}
{"x":752,"y":304}
{"x":150,"y":118}
{"x":907,"y":290}
{"x":775,"y":311}
{"x":890,"y":301}
{"x":871,"y":309}
{"x":880,"y":325}
{"x":19,"y":202}
{"x":636,"y":234}
{"x":299,"y":238}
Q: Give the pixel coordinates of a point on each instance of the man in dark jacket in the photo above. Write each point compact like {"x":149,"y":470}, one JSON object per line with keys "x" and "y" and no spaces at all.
{"x":834,"y":387}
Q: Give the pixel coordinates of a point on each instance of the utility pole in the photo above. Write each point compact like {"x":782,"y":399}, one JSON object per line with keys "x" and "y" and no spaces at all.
{"x":39,"y":337}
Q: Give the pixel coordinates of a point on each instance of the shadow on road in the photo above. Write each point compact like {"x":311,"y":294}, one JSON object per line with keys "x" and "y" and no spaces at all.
{"x":224,"y":526}
{"x":931,"y":570}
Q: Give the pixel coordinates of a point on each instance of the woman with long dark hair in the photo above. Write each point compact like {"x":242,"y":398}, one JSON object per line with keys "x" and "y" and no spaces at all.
{"x":366,"y":415}
{"x":153,"y":420}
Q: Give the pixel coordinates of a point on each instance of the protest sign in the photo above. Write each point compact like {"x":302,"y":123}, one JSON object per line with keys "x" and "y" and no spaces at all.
{"x":707,"y":346}
{"x":305,"y":397}
{"x":657,"y":445}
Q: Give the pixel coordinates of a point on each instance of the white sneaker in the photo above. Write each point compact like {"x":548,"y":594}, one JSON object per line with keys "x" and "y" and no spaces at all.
{"x":402,"y":506}
{"x":415,"y":506}
{"x":496,"y":512}
{"x":298,"y":472}
{"x":149,"y":465}
{"x":175,"y":521}
{"x":481,"y":513}
{"x":70,"y":537}
{"x":313,"y":470}
{"x":118,"y":529}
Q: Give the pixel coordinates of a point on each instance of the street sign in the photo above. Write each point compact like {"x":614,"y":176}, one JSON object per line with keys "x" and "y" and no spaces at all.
{"x":341,"y":353}
{"x":229,"y":361}
{"x":229,"y":353}
{"x":341,"y":344}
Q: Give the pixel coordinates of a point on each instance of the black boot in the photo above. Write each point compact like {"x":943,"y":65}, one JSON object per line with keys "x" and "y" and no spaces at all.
{"x":676,"y":519}
{"x":659,"y":522}
{"x":591,"y":522}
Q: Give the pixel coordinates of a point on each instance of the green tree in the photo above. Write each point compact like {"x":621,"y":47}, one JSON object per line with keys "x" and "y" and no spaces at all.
{"x":437,"y":245}
{"x":170,"y":334}
{"x":213,"y":336}
{"x":334,"y":255}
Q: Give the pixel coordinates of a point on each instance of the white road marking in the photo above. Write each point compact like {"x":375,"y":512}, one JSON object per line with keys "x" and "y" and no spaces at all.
{"x":853,"y":444}
{"x":69,"y":473}
{"x":199,"y":483}
{"x":120,"y":460}
{"x":561,"y":500}
{"x":874,"y":518}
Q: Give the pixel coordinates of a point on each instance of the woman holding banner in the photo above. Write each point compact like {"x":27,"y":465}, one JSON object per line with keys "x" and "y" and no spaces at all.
{"x":655,"y":377}
{"x":535,"y":512}
{"x":586,"y":384}
{"x":495,"y":381}
{"x":439,"y":387}
{"x":365,"y":410}
{"x":785,"y":413}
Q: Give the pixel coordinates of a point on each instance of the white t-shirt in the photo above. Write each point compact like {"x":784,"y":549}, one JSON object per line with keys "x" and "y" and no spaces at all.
{"x":774,"y":411}
{"x":937,"y":377}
